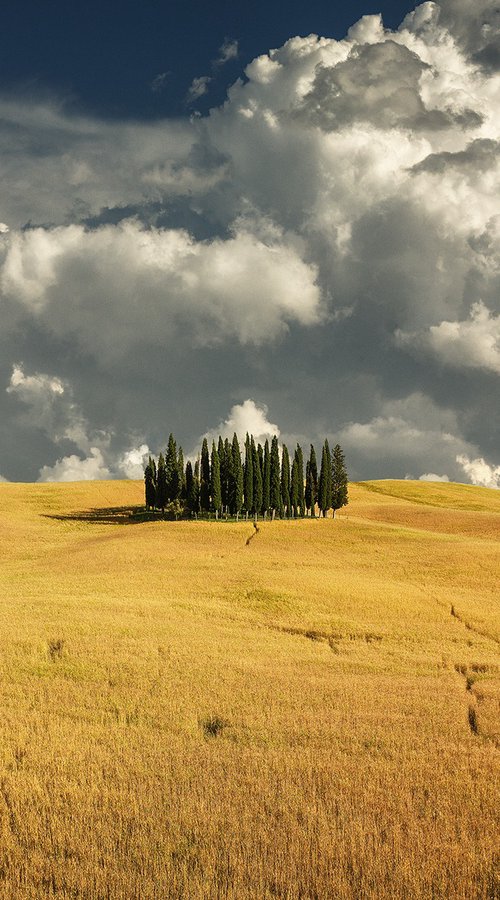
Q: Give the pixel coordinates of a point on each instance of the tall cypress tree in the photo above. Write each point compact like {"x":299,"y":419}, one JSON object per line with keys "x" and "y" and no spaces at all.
{"x":205,"y":477}
{"x":257,"y":479}
{"x":248,"y":475}
{"x":325,"y":480}
{"x":215,"y":486}
{"x":299,"y":457}
{"x":182,"y":494}
{"x":196,"y":486}
{"x":313,"y":466}
{"x":340,"y":496}
{"x":149,"y":485}
{"x":266,"y":480}
{"x":161,"y":484}
{"x":221,"y":450}
{"x":172,"y":470}
{"x":275,"y":486}
{"x":294,"y":489}
{"x":190,"y":491}
{"x":228,"y":450}
{"x":237,"y":476}
{"x":285,"y":480}
{"x":308,"y":492}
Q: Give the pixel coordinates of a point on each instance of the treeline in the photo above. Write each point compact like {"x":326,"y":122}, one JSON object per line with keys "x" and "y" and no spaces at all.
{"x":263,"y":483}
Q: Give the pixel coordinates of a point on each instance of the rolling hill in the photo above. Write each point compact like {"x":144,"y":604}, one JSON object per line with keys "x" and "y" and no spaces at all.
{"x":198,"y":710}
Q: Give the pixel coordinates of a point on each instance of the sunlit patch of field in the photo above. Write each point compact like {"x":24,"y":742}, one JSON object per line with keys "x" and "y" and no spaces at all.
{"x":311,"y":715}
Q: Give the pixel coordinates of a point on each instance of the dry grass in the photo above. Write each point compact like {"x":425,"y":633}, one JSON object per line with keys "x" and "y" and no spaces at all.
{"x":184,"y":715}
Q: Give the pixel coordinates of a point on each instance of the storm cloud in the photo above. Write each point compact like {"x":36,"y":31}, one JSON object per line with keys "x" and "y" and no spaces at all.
{"x":321,"y":252}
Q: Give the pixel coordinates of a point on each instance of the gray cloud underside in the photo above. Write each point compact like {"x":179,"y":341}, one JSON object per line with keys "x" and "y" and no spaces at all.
{"x":326,"y":243}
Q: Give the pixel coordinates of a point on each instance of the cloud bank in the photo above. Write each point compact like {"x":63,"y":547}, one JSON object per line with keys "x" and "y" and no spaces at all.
{"x":326,"y":242}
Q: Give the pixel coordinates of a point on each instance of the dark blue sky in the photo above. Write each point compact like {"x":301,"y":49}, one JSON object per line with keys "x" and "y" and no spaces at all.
{"x":103,"y":56}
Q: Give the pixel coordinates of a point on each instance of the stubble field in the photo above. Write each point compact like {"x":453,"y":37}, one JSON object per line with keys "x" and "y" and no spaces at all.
{"x":309,"y":714}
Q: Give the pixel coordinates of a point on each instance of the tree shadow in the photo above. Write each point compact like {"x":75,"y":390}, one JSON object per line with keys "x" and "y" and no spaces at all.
{"x":106,"y":515}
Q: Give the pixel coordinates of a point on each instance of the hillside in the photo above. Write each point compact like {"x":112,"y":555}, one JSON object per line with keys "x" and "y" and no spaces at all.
{"x":190,"y":714}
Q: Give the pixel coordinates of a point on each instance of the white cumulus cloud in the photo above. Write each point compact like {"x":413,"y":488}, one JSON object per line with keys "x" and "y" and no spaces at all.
{"x":479,"y":472}
{"x":74,"y":468}
{"x":133,"y":461}
{"x":248,"y":416}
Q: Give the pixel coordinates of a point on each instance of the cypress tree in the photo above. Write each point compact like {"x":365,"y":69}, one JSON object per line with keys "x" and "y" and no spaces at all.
{"x":275,"y":486}
{"x":172,"y":470}
{"x":294,"y":489}
{"x":266,"y":480}
{"x":182,"y":494}
{"x":221,"y":450}
{"x":285,"y":480}
{"x":190,"y":492}
{"x":161,"y":484}
{"x":196,"y":487}
{"x":257,"y":479}
{"x":308,"y":492}
{"x":313,"y":472}
{"x":205,"y":477}
{"x":237,"y":478}
{"x":149,"y":485}
{"x":299,"y":456}
{"x":248,"y":476}
{"x":215,"y":485}
{"x":340,"y":495}
{"x":230,"y":474}
{"x":325,"y":480}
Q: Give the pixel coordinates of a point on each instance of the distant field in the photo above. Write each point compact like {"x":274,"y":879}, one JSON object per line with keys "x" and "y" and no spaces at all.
{"x":312,"y":714}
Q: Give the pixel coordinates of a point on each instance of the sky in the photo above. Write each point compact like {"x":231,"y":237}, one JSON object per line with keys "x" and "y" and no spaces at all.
{"x":220,"y":217}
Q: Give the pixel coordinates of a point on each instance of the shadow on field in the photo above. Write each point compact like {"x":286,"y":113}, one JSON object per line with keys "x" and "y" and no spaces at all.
{"x":106,"y":515}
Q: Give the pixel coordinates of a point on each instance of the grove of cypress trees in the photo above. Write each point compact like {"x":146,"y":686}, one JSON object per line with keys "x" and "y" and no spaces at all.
{"x":161,"y":484}
{"x":266,"y":480}
{"x":149,"y":484}
{"x":275,"y":486}
{"x":325,"y":480}
{"x":205,"y":477}
{"x":339,"y":479}
{"x":285,"y":480}
{"x":257,"y":479}
{"x":248,"y":476}
{"x":294,"y":488}
{"x":237,"y":478}
{"x":215,"y":485}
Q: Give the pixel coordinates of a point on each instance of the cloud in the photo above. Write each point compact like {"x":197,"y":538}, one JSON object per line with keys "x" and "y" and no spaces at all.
{"x":431,"y":476}
{"x":133,"y":461}
{"x":327,"y":240}
{"x":227,"y":51}
{"x":198,"y":88}
{"x":73,"y":468}
{"x":241,"y":287}
{"x":473,"y":343}
{"x":4,"y":229}
{"x":247,"y":417}
{"x":480,"y":472}
{"x":159,"y":82}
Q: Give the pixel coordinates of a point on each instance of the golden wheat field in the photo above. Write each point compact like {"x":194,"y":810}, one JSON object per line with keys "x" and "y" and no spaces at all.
{"x":309,"y":714}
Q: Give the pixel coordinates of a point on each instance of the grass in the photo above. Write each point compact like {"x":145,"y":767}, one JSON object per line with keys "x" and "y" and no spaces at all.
{"x":185,"y":714}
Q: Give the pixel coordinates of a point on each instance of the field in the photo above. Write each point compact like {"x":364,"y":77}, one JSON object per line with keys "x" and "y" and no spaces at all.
{"x":309,"y":714}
